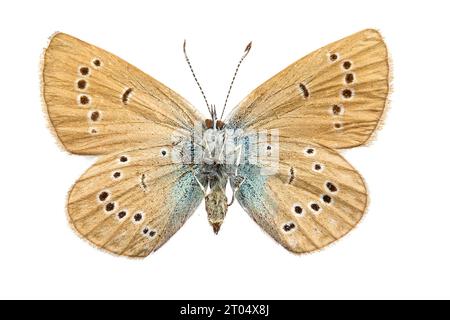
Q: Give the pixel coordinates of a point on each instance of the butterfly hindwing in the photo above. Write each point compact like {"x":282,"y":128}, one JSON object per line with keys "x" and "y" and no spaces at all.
{"x":97,"y":103}
{"x":130,"y":203}
{"x":334,"y":96}
{"x":314,"y":198}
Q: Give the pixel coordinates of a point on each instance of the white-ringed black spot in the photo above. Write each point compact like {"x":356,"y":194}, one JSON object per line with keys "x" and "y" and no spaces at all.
{"x":137,"y":218}
{"x":95,"y":116}
{"x":152,"y":233}
{"x":310,"y":151}
{"x":96,"y":62}
{"x":349,"y":78}
{"x":81,"y":84}
{"x":297,"y":208}
{"x":338,"y":125}
{"x":110,"y":207}
{"x":103,"y":195}
{"x":326,"y":198}
{"x":122,"y":214}
{"x":117,"y":174}
{"x":315,"y":207}
{"x":164,"y":152}
{"x":347,"y":65}
{"x":331,"y":187}
{"x":123,"y":159}
{"x":337,"y":110}
{"x":288,"y":226}
{"x":333,"y":57}
{"x":84,"y":100}
{"x":93,"y":131}
{"x":347,"y":93}
{"x":318,"y":167}
{"x":84,"y":71}
{"x":145,"y":230}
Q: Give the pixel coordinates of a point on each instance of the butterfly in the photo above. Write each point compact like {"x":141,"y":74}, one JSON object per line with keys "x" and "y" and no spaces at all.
{"x":159,"y":158}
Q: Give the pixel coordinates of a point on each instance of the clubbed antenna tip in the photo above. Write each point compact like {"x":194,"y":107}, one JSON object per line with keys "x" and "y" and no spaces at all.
{"x":247,"y":49}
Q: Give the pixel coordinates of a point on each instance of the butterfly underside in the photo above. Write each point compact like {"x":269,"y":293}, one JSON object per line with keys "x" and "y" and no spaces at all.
{"x":135,"y":197}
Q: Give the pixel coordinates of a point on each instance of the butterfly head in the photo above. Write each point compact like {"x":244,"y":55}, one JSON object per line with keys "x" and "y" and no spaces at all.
{"x":214,"y":124}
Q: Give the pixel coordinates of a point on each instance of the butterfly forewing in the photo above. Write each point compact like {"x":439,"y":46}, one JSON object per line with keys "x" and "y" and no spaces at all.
{"x":97,"y":103}
{"x":334,"y":96}
{"x":313,"y":199}
{"x":132,"y":202}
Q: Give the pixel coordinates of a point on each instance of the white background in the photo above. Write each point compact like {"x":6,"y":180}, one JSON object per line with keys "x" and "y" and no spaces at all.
{"x":401,"y":248}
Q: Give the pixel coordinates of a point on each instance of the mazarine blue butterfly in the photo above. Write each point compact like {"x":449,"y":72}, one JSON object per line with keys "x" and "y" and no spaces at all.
{"x":158,"y":157}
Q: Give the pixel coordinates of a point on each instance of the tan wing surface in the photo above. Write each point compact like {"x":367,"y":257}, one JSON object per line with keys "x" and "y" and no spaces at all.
{"x":334,"y":96}
{"x":97,"y":103}
{"x":130,"y":203}
{"x":314,"y":198}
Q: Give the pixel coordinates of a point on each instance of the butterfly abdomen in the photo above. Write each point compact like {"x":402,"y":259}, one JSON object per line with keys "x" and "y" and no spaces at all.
{"x":216,"y":203}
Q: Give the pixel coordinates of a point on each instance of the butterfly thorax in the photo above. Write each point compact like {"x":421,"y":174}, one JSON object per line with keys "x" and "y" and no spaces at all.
{"x":213,"y":146}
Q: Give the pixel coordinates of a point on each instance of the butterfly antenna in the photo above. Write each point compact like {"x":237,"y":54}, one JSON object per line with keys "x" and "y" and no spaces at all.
{"x":195,"y":78}
{"x":247,"y":50}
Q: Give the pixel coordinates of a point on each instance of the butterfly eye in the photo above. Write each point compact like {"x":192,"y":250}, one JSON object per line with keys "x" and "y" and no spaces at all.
{"x":117,"y":174}
{"x":123,"y":159}
{"x":220,"y":124}
{"x":152,"y":233}
{"x":338,"y":125}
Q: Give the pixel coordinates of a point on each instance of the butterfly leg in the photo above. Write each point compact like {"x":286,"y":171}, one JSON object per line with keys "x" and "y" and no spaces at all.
{"x":235,"y":183}
{"x":199,"y":183}
{"x":237,"y":180}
